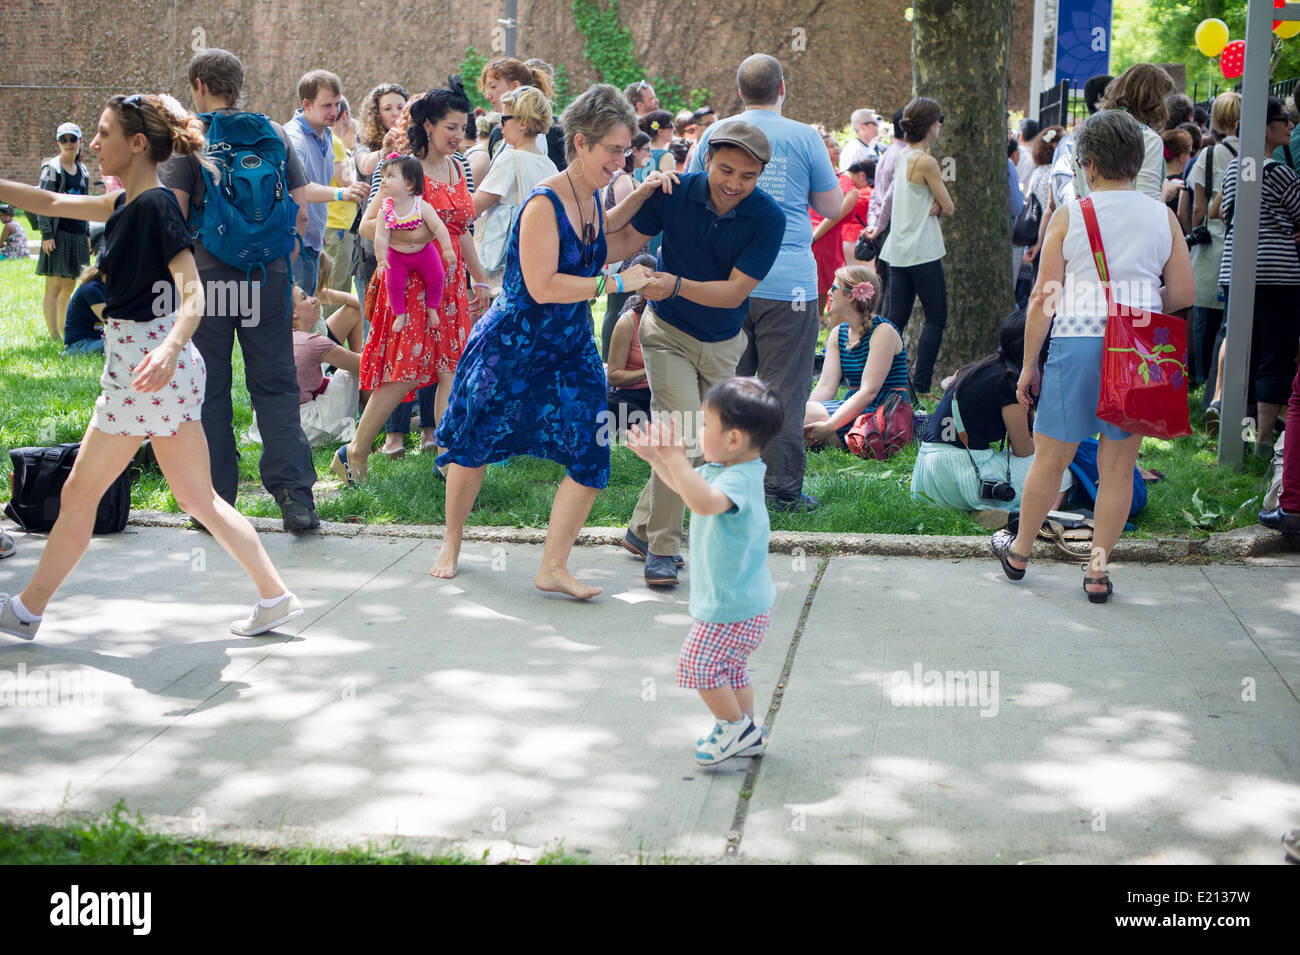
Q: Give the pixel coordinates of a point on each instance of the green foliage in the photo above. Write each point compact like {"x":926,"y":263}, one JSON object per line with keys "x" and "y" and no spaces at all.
{"x":470,"y":69}
{"x":609,"y":47}
{"x":562,"y":96}
{"x":674,"y":98}
{"x":115,"y":838}
{"x":1163,"y":31}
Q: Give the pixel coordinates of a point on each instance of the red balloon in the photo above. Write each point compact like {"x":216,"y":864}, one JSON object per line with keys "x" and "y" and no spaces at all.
{"x":1232,"y":61}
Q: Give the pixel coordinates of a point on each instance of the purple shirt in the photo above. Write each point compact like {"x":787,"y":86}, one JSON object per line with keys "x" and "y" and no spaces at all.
{"x":882,"y":194}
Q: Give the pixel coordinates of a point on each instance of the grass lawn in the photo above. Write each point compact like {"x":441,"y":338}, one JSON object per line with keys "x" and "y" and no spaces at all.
{"x":47,"y":397}
{"x":114,"y":838}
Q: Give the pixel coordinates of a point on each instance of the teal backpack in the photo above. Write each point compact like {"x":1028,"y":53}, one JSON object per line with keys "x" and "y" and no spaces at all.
{"x":246,"y":217}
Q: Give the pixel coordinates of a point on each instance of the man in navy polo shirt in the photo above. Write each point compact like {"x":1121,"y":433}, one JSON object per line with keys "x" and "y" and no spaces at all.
{"x":309,"y":134}
{"x":721,"y":235}
{"x":782,"y":323}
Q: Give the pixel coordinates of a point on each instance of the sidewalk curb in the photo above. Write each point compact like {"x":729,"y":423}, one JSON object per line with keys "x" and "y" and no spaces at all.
{"x":1235,"y":545}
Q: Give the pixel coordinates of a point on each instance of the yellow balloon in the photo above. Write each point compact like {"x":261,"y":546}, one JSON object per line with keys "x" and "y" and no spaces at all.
{"x":1211,"y":37}
{"x":1286,"y":29}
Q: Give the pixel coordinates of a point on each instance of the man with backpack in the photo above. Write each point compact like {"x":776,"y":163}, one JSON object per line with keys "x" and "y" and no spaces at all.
{"x":245,"y":226}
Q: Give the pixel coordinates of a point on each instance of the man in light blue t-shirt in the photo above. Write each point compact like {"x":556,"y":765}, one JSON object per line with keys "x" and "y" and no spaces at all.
{"x":781,"y":327}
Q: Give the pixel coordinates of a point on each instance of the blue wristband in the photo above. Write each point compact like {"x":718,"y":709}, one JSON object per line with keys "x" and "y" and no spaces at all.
{"x":619,"y":279}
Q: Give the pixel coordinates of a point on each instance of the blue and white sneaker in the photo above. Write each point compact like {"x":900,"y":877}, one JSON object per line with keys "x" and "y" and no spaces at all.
{"x":756,"y":748}
{"x":728,"y":740}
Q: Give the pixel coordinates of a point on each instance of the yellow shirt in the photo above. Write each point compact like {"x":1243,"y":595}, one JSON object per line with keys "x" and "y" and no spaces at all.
{"x":341,"y":214}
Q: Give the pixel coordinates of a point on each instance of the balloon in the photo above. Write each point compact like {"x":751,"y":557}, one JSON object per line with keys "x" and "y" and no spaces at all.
{"x":1211,"y":37}
{"x":1233,"y":59}
{"x":1285,"y":29}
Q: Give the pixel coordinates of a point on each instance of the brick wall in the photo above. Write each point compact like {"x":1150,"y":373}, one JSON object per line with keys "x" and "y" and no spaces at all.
{"x":63,"y":59}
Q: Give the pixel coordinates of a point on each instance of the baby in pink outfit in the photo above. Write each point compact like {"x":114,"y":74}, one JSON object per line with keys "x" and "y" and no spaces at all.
{"x":404,"y":238}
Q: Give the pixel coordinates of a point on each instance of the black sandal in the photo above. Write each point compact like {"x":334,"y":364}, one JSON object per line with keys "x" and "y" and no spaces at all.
{"x":1097,"y":597}
{"x":1000,"y":544}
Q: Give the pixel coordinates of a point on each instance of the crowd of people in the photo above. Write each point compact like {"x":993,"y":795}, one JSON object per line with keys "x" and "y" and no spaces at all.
{"x":460,"y":249}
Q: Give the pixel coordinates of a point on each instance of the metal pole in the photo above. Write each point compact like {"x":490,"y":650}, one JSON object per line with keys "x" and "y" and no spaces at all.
{"x":1036,"y":58}
{"x":1245,"y":226}
{"x":512,"y":24}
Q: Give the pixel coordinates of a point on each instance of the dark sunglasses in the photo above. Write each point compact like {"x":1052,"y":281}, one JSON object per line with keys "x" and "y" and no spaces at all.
{"x":69,"y":139}
{"x":507,"y":116}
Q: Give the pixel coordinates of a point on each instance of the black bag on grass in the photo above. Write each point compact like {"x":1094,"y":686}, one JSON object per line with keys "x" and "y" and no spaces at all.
{"x":37,"y":482}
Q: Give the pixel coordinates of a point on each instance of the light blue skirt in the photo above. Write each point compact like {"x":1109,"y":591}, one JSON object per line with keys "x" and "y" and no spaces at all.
{"x":1067,"y":404}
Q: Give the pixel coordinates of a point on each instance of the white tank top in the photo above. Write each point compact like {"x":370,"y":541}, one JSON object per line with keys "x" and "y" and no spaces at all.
{"x":914,"y":235}
{"x":1135,"y":234}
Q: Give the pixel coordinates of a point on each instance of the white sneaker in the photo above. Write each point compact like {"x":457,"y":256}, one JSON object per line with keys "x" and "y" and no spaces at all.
{"x":728,"y":740}
{"x":756,"y":748}
{"x":263,"y":619}
{"x":11,"y":624}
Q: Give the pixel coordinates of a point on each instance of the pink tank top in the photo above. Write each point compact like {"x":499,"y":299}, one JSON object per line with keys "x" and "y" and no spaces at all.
{"x":636,"y":360}
{"x":406,"y":223}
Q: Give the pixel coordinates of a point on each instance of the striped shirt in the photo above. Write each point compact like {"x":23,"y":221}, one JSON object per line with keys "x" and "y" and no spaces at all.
{"x":853,"y":361}
{"x":1279,"y":217}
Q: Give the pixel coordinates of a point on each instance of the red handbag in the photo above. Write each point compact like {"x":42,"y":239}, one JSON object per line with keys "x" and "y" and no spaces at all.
{"x":883,"y":432}
{"x":1143,"y":370}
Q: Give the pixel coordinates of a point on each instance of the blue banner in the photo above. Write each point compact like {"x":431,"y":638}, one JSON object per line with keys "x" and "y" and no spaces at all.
{"x":1082,"y":39}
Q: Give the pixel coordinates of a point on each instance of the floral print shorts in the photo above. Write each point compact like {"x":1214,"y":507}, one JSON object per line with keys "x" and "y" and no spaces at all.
{"x":120,"y":409}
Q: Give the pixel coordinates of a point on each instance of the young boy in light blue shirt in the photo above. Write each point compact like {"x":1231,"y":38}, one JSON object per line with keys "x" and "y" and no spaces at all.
{"x":731,"y":588}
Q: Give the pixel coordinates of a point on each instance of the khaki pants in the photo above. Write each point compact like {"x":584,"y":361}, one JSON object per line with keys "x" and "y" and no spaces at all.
{"x":338,"y":245}
{"x":680,"y":369}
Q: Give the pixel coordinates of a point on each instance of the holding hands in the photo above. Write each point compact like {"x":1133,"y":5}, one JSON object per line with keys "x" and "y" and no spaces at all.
{"x":636,"y":278}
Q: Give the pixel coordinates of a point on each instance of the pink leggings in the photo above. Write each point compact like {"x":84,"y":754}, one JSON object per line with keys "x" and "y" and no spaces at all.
{"x":428,"y":262}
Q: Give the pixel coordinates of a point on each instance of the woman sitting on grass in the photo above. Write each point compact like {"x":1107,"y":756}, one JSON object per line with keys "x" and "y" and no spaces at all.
{"x":866,"y":352}
{"x":629,"y":389}
{"x":83,"y":327}
{"x":327,"y":407}
{"x":949,"y":470}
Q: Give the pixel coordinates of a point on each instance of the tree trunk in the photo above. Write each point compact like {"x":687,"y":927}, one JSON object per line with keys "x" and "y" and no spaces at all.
{"x":960,"y":55}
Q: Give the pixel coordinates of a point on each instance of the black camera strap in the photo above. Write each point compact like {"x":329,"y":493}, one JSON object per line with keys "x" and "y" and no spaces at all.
{"x":965,"y":440}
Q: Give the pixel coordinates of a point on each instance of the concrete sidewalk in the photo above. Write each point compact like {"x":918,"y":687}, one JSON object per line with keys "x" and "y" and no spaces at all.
{"x":921,"y":710}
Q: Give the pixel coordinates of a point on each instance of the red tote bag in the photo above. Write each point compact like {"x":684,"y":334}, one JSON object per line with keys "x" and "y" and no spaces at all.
{"x":1143,"y":370}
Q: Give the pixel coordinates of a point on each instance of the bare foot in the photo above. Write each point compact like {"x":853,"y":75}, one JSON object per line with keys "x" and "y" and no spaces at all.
{"x":562,"y":582}
{"x":399,"y":323}
{"x":445,"y":565}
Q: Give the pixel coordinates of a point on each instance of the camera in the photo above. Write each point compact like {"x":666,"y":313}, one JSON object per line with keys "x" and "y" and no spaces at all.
{"x":991,"y":490}
{"x":1199,"y":236}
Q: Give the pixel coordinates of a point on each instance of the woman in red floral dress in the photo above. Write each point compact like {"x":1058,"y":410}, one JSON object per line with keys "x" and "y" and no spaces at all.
{"x":395,"y":364}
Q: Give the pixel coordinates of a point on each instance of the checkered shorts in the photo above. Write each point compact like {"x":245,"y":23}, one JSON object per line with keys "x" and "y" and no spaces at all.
{"x":714,"y":654}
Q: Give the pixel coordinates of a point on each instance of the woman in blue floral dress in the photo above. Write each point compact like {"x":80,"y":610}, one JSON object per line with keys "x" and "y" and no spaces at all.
{"x":530,"y":380}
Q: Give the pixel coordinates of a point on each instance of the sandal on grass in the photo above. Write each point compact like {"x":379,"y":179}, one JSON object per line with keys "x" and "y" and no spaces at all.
{"x":339,"y":465}
{"x":1000,"y":544}
{"x":1097,"y":596}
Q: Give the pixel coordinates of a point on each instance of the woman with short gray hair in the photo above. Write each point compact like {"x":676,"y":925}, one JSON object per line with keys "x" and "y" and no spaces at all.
{"x":530,"y":381}
{"x":1144,"y":244}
